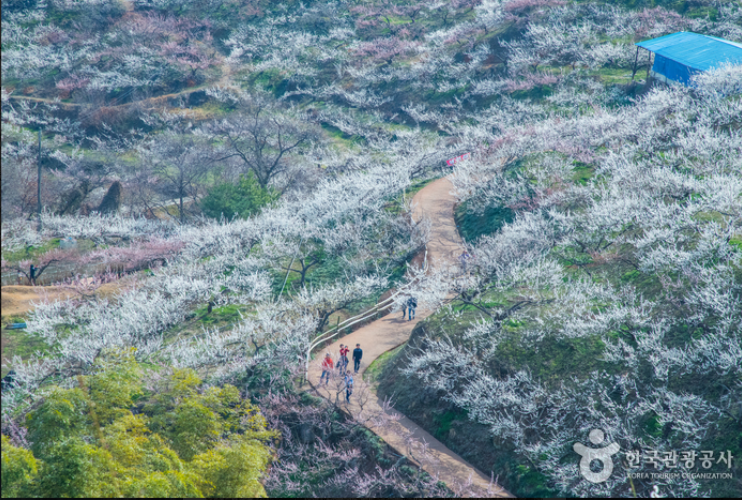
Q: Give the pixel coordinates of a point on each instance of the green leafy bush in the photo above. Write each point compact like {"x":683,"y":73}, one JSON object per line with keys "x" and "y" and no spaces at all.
{"x":183,"y":441}
{"x":473,"y":226}
{"x":243,"y":199}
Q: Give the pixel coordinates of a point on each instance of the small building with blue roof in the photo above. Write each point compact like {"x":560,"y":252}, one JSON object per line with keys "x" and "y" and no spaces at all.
{"x":678,"y":56}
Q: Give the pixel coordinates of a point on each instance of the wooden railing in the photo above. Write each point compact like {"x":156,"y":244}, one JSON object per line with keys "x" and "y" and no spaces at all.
{"x":368,"y":313}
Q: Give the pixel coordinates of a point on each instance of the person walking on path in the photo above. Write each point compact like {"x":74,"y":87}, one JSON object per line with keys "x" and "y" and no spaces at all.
{"x":404,"y":308}
{"x":343,"y":361}
{"x":32,"y":275}
{"x":348,"y":387}
{"x":327,"y":366}
{"x":411,"y":305}
{"x":464,"y":258}
{"x":357,"y":355}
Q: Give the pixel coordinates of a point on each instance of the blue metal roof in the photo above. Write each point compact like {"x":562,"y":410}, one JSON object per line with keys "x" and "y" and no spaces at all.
{"x":696,"y":51}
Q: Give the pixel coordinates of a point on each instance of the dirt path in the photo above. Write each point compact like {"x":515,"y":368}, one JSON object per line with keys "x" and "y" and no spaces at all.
{"x":436,"y":202}
{"x":224,"y":81}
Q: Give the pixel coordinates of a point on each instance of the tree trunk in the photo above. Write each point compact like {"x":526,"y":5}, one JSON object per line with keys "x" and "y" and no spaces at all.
{"x":111,"y":202}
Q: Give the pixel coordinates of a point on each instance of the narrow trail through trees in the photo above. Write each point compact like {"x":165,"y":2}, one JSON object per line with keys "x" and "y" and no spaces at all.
{"x":435,"y":201}
{"x":224,"y":81}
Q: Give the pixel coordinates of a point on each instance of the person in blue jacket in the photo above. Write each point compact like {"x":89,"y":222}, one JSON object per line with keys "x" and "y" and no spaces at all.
{"x":348,"y":386}
{"x":357,"y":355}
{"x":411,"y":305}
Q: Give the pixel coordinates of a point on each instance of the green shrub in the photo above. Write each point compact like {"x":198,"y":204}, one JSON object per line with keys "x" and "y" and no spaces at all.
{"x":243,"y":199}
{"x":184,"y":441}
{"x":472,"y":226}
{"x":20,"y":468}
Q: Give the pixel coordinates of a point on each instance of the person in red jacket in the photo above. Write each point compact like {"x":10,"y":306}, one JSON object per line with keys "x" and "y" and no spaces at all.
{"x":327,"y":366}
{"x":343,"y":361}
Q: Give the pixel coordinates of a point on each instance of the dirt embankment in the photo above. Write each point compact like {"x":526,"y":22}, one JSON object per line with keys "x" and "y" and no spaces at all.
{"x":19,"y":300}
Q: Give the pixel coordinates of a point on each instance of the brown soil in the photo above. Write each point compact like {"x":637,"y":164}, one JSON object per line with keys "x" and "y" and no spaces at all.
{"x":18,"y":300}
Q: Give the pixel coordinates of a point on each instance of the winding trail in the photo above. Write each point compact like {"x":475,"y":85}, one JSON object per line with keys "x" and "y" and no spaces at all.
{"x":435,"y":201}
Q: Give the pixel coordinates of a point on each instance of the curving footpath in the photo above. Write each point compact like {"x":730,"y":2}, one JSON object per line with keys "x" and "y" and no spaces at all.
{"x":435,"y":201}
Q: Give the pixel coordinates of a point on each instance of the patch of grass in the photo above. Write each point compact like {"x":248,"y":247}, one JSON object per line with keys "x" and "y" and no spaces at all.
{"x":444,"y":421}
{"x":398,"y":20}
{"x":198,"y":319}
{"x":14,"y":319}
{"x":631,"y":276}
{"x":216,"y":108}
{"x":372,"y":373}
{"x":650,"y":424}
{"x":373,"y":445}
{"x":219,"y":316}
{"x":703,"y":12}
{"x":537,"y":93}
{"x":329,"y":270}
{"x":20,"y":343}
{"x":684,"y":334}
{"x":273,"y":80}
{"x":582,"y":172}
{"x":531,"y":481}
{"x":473,"y":226}
{"x":553,"y":360}
{"x":647,"y":284}
{"x":710,"y":217}
{"x":513,"y":323}
{"x":31,"y":252}
{"x":398,"y":273}
{"x":437,"y":98}
{"x":339,"y":135}
{"x":613,"y":76}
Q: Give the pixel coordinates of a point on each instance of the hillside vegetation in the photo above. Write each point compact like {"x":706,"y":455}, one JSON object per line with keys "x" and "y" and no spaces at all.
{"x":610,"y":300}
{"x":240,"y":173}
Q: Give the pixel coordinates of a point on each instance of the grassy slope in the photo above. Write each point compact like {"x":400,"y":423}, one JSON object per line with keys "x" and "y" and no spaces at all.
{"x":450,"y":424}
{"x":550,"y":362}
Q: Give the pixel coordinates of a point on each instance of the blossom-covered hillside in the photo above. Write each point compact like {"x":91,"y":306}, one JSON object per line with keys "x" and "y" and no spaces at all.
{"x":239,"y":176}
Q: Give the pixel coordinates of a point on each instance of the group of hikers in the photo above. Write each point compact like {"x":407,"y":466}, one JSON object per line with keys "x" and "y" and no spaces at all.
{"x":328,"y":365}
